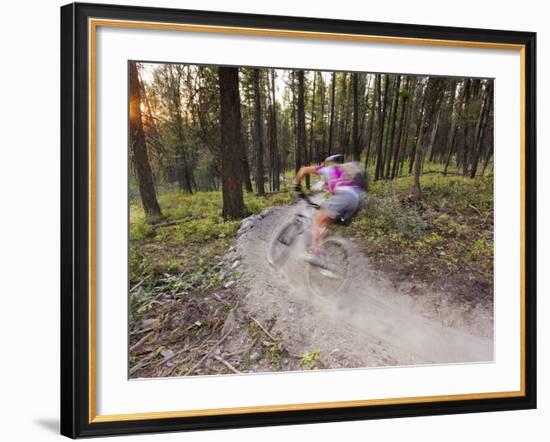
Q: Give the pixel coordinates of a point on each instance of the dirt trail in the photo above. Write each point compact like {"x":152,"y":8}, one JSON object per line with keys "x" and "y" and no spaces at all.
{"x":374,"y":323}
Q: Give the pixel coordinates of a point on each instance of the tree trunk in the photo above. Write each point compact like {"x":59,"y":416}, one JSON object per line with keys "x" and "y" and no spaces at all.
{"x":462,"y":160}
{"x":185,"y":177}
{"x":433,"y":93}
{"x":312,"y":121}
{"x":247,"y":117}
{"x":247,"y":147}
{"x":392,"y":148}
{"x":321,"y":149}
{"x":355,"y":129}
{"x":246,"y":173}
{"x":421,"y":119}
{"x":297,"y":153}
{"x":380,"y":136}
{"x":431,"y":148}
{"x":140,"y":156}
{"x":341,"y":112}
{"x":231,"y":145}
{"x":404,"y":108}
{"x":404,"y":141}
{"x":363,"y":113}
{"x":410,"y":111}
{"x":389,"y":107}
{"x":372,"y":116}
{"x":273,"y":135}
{"x":482,"y":127}
{"x":331,"y":126}
{"x":259,"y":131}
{"x":184,"y":174}
{"x":344,"y":135}
{"x":469,"y":152}
{"x":301,"y":126}
{"x":452,"y":130}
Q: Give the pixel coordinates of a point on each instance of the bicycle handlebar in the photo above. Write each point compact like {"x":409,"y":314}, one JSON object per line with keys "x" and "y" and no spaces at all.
{"x":308,"y":200}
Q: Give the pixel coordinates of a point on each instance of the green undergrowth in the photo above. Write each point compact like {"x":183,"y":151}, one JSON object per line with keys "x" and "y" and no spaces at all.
{"x":189,"y":241}
{"x":448,"y":236}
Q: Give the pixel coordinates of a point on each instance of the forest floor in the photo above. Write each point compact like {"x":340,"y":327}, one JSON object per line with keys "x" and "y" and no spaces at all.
{"x":205,"y":301}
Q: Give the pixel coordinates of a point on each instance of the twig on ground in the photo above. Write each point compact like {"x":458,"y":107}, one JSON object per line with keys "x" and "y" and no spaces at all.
{"x":138,"y":285}
{"x":476,"y":209}
{"x":263,"y":328}
{"x":143,"y":330}
{"x":198,"y":364}
{"x":191,"y":349}
{"x":184,"y":349}
{"x":139,"y":352}
{"x":246,"y":350}
{"x":227,"y":364}
{"x":146,"y":362}
{"x":169,"y":223}
{"x":254,"y":342}
{"x":141,"y":341}
{"x":177,"y":365}
{"x":430,"y":172}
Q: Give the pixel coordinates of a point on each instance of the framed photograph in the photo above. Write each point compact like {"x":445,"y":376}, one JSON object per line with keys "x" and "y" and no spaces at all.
{"x":274,"y":220}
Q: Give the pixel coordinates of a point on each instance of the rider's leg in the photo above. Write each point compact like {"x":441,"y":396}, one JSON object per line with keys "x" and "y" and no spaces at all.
{"x":319,"y":228}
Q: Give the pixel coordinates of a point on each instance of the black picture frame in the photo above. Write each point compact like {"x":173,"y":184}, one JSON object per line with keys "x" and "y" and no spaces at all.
{"x":75,"y":220}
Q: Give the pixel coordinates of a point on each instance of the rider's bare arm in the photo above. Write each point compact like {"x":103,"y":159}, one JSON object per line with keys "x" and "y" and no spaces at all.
{"x":305,"y":170}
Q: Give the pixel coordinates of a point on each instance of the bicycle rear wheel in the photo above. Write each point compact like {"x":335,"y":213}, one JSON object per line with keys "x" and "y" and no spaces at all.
{"x":330,"y":278}
{"x":281,"y":242}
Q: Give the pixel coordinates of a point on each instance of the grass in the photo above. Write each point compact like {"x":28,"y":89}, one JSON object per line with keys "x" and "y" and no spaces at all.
{"x":193,"y":245}
{"x":448,"y":235}
{"x":447,"y":238}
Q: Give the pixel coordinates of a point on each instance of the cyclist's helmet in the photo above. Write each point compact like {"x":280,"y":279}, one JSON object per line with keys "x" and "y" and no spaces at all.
{"x":338,"y":158}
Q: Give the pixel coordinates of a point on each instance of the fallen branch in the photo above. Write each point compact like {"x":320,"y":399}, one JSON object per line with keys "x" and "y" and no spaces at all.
{"x":183,"y":350}
{"x":198,"y":364}
{"x":146,"y":362}
{"x":138,"y":285}
{"x":246,"y":350}
{"x":177,"y":365}
{"x":476,"y":209}
{"x":263,"y":329}
{"x":169,"y":223}
{"x":227,"y":364}
{"x":429,"y":172}
{"x":141,"y":341}
{"x":143,"y":330}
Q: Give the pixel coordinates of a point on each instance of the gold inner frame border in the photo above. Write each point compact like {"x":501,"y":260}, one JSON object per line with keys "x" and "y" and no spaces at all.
{"x":93,"y":24}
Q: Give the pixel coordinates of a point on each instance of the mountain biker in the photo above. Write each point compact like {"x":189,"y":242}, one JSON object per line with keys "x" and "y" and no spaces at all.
{"x":347,"y":195}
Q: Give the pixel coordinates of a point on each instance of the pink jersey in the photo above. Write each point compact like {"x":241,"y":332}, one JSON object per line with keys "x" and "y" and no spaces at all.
{"x":335,"y":177}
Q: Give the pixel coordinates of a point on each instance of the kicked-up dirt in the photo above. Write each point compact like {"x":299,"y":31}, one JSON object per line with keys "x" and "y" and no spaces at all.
{"x":268,"y":319}
{"x":374,"y":322}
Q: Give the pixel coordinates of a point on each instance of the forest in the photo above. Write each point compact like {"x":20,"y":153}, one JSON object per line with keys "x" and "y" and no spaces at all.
{"x":210,"y":146}
{"x":203,"y":128}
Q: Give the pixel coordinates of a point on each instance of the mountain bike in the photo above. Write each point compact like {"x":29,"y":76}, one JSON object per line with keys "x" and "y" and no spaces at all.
{"x":327,"y":277}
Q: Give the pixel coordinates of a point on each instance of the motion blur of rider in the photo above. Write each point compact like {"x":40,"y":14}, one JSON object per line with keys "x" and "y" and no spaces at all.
{"x":347,"y":195}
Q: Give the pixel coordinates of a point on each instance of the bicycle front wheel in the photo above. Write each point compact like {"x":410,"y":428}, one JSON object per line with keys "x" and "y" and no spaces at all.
{"x":330,"y":278}
{"x":282,"y":241}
